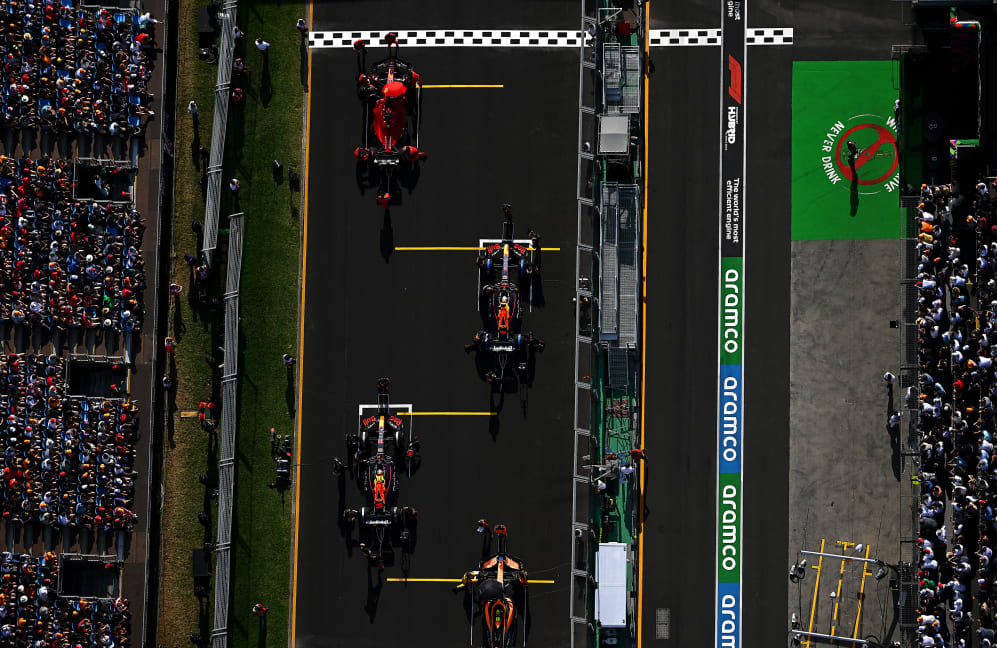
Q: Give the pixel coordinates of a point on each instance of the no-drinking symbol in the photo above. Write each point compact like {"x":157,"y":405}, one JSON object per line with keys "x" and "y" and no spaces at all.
{"x":880,"y":149}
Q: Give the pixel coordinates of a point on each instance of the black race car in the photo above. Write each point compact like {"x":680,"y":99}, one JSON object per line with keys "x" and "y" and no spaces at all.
{"x":506,"y":268}
{"x":377,"y":452}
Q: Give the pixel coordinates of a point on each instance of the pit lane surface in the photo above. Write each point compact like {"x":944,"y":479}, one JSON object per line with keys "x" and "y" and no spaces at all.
{"x":682,"y":306}
{"x":682,"y":311}
{"x":370,"y":313}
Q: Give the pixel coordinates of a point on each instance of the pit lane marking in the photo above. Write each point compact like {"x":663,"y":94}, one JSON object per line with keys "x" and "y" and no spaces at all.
{"x":543,"y":39}
{"x":457,"y":580}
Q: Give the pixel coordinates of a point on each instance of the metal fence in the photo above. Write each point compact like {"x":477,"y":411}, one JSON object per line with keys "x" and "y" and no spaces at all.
{"x":604,"y":288}
{"x":226,"y":47}
{"x":226,"y":458}
{"x":909,"y":376}
{"x":581,"y":486}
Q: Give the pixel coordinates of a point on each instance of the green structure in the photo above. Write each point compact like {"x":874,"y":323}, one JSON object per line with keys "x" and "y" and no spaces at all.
{"x":838,"y":191}
{"x":605,"y":550}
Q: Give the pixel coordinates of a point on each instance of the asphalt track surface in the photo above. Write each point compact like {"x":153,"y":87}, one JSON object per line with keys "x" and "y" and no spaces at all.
{"x":372,"y":313}
{"x":449,"y":14}
{"x":682,"y":303}
{"x":680,"y":354}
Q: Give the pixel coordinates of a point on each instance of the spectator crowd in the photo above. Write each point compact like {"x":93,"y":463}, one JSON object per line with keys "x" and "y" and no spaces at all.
{"x":74,"y":70}
{"x":66,"y":263}
{"x":955,"y":394}
{"x":67,"y":462}
{"x":32,"y":613}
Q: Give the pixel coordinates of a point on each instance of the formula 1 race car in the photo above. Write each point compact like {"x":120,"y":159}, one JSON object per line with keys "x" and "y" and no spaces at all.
{"x":499,"y":589}
{"x":504,"y":266}
{"x":375,"y":455}
{"x":391,"y":95}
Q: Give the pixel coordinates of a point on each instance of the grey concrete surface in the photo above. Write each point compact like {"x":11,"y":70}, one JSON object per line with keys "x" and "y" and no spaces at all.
{"x":843,"y":471}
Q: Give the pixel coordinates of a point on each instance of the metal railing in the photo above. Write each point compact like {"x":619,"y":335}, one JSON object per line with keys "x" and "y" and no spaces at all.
{"x":909,"y":376}
{"x":606,"y":257}
{"x":226,"y":457}
{"x":579,"y":611}
{"x":226,"y":47}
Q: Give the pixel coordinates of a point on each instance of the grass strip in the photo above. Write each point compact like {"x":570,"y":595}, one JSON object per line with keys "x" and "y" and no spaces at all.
{"x":265,"y":127}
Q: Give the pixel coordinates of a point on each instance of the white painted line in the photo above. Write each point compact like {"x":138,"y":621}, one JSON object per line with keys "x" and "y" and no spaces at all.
{"x":453,"y":38}
{"x":769,"y":36}
{"x":536,"y":38}
{"x":685,"y":37}
{"x":393,"y":407}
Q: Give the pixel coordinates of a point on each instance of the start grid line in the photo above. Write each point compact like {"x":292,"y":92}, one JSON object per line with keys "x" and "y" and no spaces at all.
{"x":538,"y":38}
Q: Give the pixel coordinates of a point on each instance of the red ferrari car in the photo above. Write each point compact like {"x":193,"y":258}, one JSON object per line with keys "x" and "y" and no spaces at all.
{"x":391,"y":94}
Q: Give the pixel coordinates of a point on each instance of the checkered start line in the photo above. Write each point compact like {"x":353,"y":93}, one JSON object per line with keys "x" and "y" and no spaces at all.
{"x":537,"y":38}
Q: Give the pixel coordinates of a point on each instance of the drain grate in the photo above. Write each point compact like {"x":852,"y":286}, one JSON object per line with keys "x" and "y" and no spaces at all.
{"x":663,"y":623}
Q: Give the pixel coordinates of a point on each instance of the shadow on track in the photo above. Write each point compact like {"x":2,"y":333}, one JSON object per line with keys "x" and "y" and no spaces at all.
{"x":374,"y":587}
{"x":387,"y":237}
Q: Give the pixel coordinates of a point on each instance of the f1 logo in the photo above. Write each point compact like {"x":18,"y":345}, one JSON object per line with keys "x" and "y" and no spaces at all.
{"x":734,"y":90}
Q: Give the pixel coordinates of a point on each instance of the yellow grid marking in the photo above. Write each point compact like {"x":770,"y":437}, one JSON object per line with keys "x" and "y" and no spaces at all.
{"x":841,"y":576}
{"x":865,"y":572}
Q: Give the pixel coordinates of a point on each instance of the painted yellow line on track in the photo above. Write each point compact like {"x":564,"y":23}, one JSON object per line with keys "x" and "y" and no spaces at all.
{"x":456,"y":249}
{"x":456,"y":580}
{"x":841,"y":577}
{"x":643,"y":332}
{"x":301,"y":337}
{"x":464,"y":85}
{"x":858,"y":615}
{"x":813,"y":606}
{"x":447,"y":413}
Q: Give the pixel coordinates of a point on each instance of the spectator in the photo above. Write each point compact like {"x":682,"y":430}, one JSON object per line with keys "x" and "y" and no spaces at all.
{"x":234,"y":185}
{"x":302,"y":27}
{"x":72,"y":460}
{"x":192,"y":109}
{"x":289,"y":360}
{"x":262,"y":45}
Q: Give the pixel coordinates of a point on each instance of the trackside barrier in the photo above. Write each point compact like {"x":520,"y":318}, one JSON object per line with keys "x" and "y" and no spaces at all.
{"x":580,"y":600}
{"x":226,"y":457}
{"x":606,"y":297}
{"x":226,"y":47}
{"x":910,"y":490}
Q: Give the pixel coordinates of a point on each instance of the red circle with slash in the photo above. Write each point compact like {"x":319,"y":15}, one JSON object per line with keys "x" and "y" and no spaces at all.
{"x":884,"y":137}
